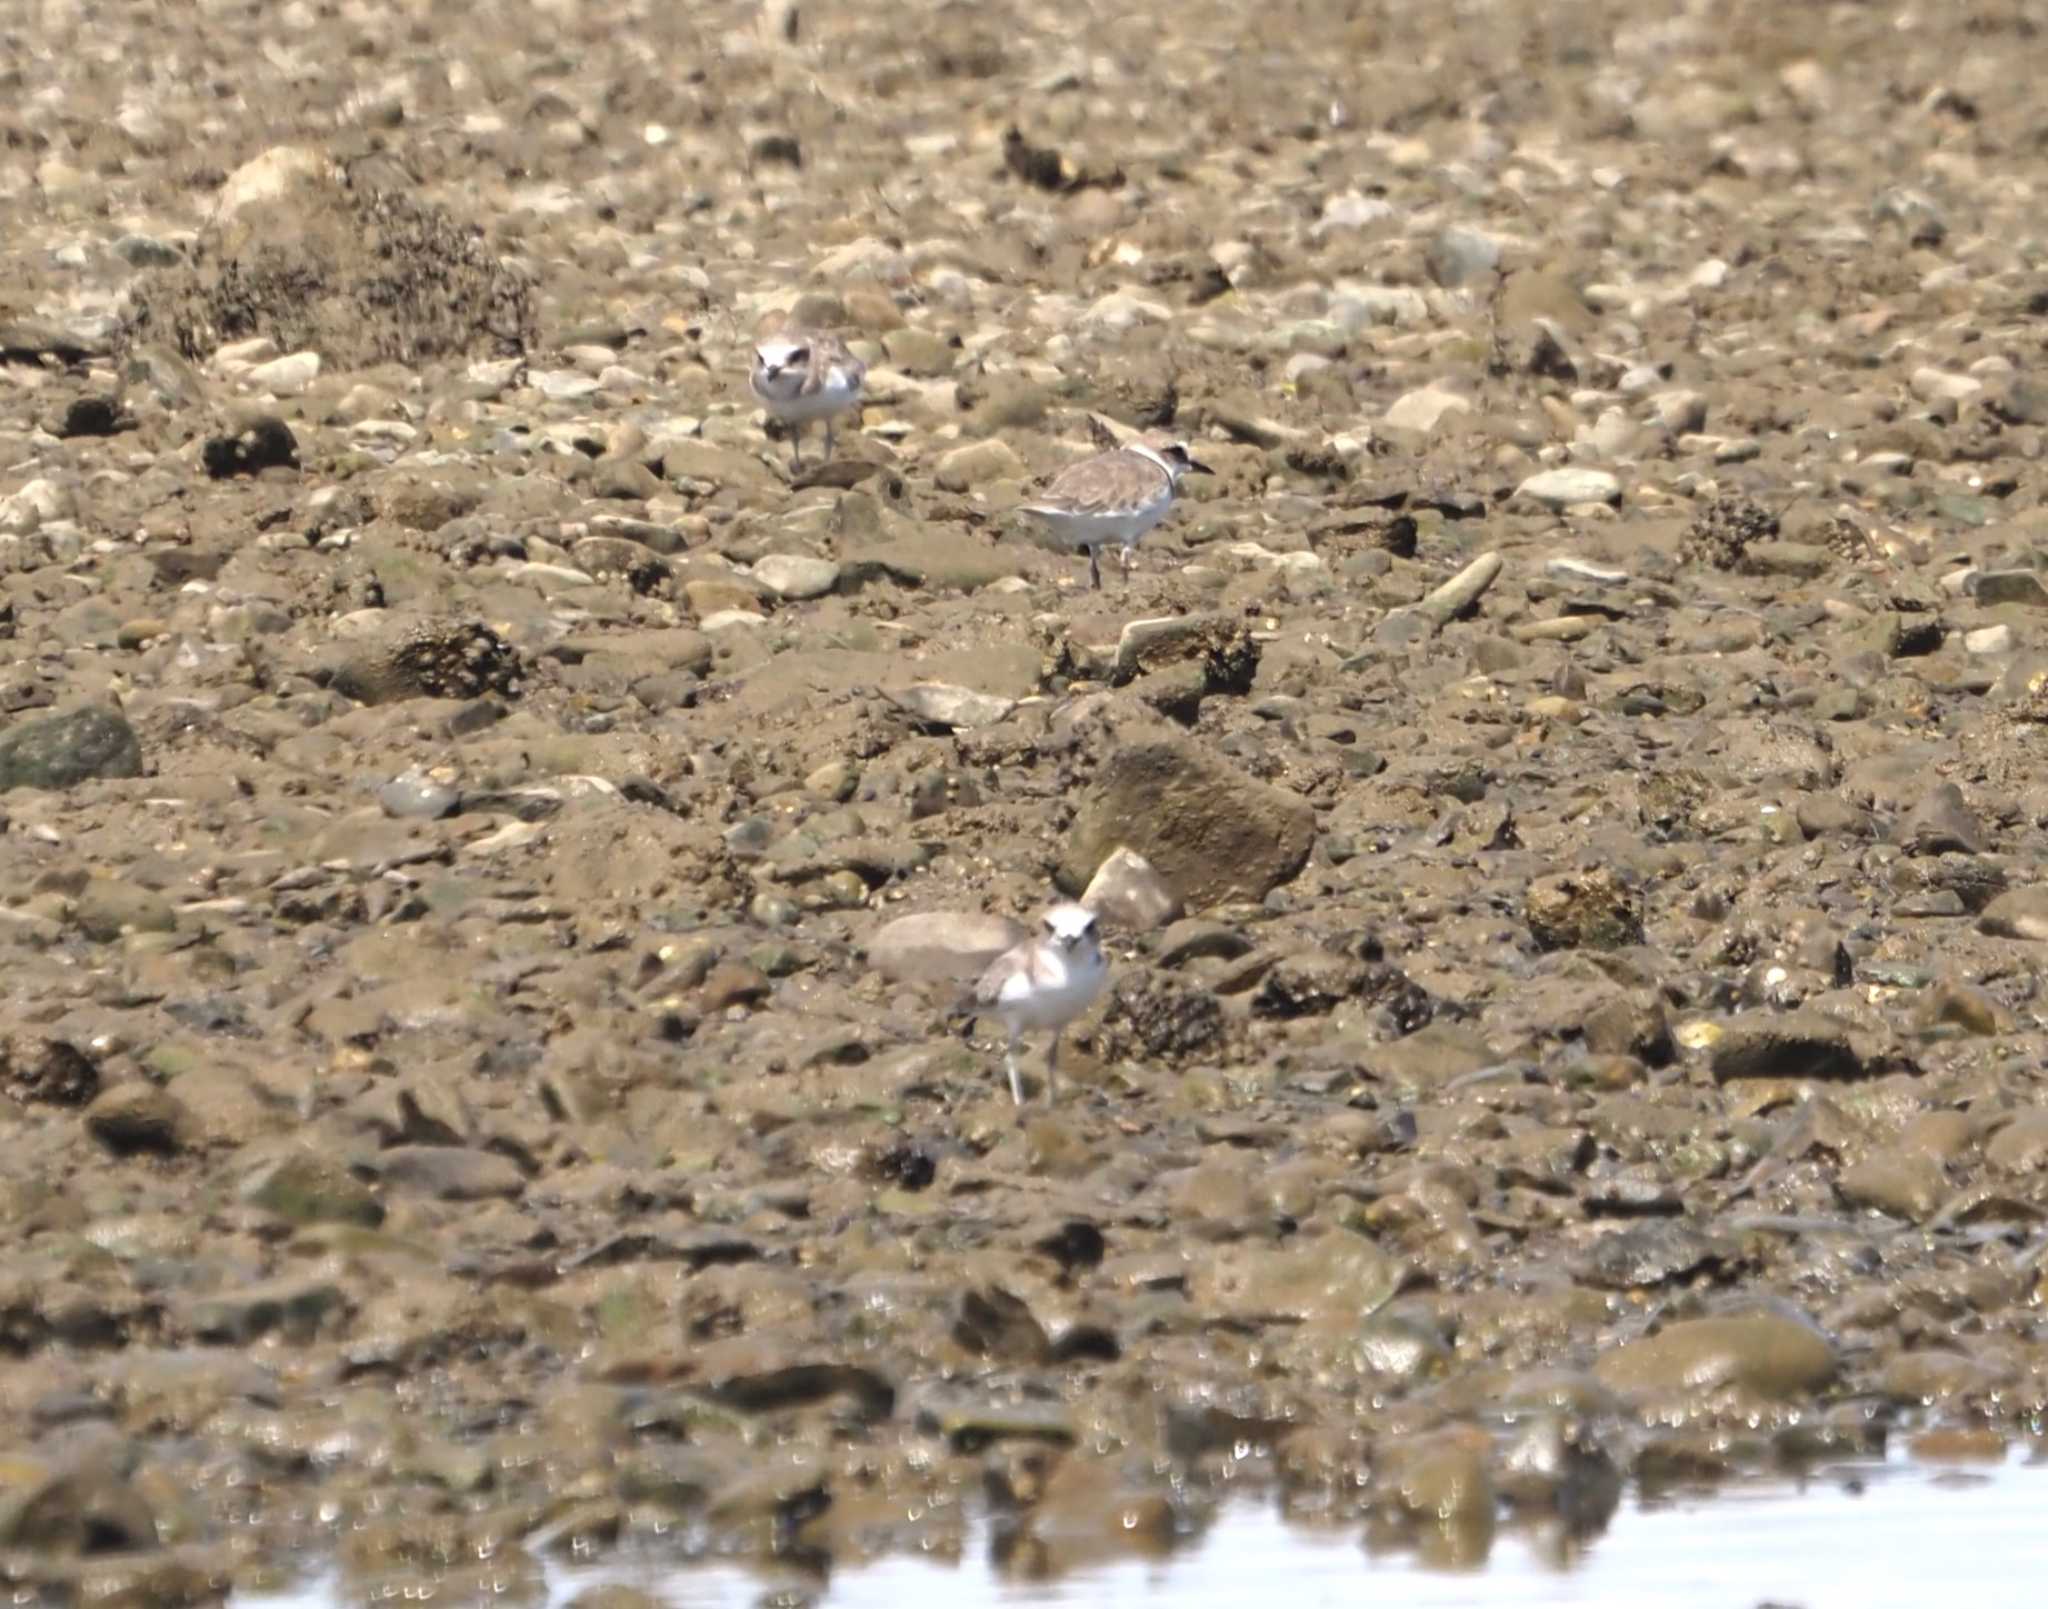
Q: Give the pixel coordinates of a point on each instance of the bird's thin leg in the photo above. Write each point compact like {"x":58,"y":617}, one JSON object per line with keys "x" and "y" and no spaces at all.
{"x":1052,"y":1062}
{"x":1095,"y":568}
{"x":1124,"y":557}
{"x":828,"y":439}
{"x":796,"y":445}
{"x":1016,"y":1080}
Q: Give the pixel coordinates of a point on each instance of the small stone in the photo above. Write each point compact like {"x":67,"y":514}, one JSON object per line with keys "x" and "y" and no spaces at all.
{"x":1769,"y":1354}
{"x":1941,"y":823}
{"x":942,"y":946}
{"x":1903,"y":1185}
{"x":1932,"y":385}
{"x":1560,"y":489}
{"x":2019,"y":913}
{"x":288,"y":376}
{"x":1792,"y":1044}
{"x":624,"y":479}
{"x":1989,"y":641}
{"x":1457,"y":256}
{"x":1682,"y":412}
{"x":61,"y":751}
{"x":139,"y":1119}
{"x":413,"y":793}
{"x":312,"y":1187}
{"x":956,"y":708}
{"x":40,"y":501}
{"x":795,"y":577}
{"x":145,"y":251}
{"x":1130,"y":894}
{"x":1424,"y":409}
{"x":449,"y":1172}
{"x":976,"y":464}
{"x":2021,"y":587}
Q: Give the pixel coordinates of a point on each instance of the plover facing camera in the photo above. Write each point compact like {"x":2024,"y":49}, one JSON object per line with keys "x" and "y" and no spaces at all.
{"x":800,"y":377}
{"x":1046,"y":982}
{"x":1114,"y":497}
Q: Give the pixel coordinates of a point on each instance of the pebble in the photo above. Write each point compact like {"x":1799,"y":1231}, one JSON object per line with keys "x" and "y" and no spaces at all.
{"x":933,"y":946}
{"x":1424,"y":410}
{"x":976,"y":463}
{"x":287,"y":376}
{"x":1560,"y":489}
{"x":796,"y":577}
{"x":1127,"y":892}
{"x":413,"y":793}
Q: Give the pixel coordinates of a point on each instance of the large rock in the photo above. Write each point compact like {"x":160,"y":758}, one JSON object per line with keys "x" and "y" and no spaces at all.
{"x":1213,"y":833}
{"x":60,"y":751}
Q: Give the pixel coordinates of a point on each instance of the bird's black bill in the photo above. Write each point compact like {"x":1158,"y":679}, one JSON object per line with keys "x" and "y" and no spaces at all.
{"x":1200,"y":469}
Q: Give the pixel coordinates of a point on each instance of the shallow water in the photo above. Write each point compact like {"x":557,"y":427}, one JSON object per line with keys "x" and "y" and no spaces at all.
{"x":1862,"y":1535}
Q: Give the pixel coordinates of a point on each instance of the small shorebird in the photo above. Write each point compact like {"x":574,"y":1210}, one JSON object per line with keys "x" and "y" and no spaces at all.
{"x":1115,"y":496}
{"x":802,"y":375}
{"x":1047,"y":981}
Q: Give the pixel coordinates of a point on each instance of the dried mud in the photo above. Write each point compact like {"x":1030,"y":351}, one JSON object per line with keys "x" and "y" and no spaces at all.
{"x":1577,"y":1012}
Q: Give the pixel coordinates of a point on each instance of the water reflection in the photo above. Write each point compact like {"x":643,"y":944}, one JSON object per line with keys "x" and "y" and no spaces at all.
{"x":1864,"y":1535}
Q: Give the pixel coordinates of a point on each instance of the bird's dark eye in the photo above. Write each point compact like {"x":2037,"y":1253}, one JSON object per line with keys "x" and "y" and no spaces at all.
{"x":801,"y":355}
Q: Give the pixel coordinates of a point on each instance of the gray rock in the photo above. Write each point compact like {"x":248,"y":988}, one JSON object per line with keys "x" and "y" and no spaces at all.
{"x":1213,"y":833}
{"x":941,"y":946}
{"x":1130,"y":894}
{"x":60,"y":751}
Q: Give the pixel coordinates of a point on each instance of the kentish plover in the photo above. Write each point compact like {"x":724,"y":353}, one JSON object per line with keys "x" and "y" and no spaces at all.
{"x":1047,"y":981}
{"x":1115,"y":496}
{"x":803,"y":375}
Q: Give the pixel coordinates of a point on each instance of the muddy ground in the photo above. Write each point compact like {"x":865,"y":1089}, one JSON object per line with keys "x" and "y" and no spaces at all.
{"x":468,"y":1093}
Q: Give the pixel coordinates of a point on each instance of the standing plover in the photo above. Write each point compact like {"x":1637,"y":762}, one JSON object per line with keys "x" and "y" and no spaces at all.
{"x":804,"y":375}
{"x":1115,"y":496}
{"x":1045,"y":982}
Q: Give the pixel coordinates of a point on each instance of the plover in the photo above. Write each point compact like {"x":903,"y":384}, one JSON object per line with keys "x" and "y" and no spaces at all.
{"x":1045,"y":982}
{"x":806,"y":375}
{"x":1115,"y":496}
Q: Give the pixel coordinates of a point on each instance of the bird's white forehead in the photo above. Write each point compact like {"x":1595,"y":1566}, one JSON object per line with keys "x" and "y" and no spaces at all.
{"x":777,"y":351}
{"x":1069,"y":921}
